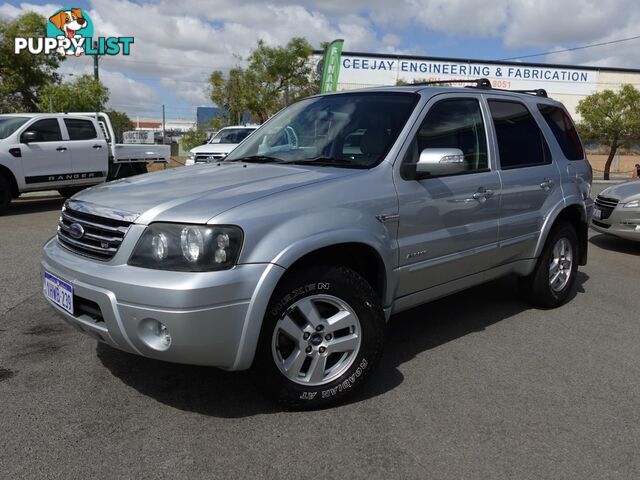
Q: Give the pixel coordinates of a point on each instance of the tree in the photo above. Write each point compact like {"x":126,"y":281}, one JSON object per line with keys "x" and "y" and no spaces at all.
{"x":23,"y":76}
{"x":120,"y":122}
{"x":193,"y":138}
{"x":230,"y":93}
{"x":274,"y":78}
{"x":84,"y":94}
{"x":611,"y":118}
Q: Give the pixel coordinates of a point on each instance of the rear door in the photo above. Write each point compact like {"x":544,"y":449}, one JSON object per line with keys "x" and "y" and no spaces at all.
{"x":89,"y":152}
{"x":579,"y":175}
{"x":448,"y":225}
{"x":47,"y":160}
{"x":530,"y":177}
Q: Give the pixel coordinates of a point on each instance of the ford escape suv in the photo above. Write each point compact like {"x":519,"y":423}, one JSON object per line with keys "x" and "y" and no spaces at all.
{"x":291,"y":255}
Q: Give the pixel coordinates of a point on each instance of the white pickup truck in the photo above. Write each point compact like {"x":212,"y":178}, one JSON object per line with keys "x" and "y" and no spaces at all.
{"x":65,"y":152}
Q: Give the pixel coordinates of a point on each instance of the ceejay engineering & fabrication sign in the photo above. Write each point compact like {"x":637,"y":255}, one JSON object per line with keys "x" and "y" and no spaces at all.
{"x":381,"y":70}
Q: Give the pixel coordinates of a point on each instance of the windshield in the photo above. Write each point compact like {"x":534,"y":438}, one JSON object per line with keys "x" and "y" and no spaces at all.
{"x":8,"y":125}
{"x":231,"y":135}
{"x":353,"y":130}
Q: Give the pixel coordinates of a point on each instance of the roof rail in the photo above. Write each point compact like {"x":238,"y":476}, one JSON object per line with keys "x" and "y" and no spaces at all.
{"x":484,"y":83}
{"x":538,"y":92}
{"x":479,"y":82}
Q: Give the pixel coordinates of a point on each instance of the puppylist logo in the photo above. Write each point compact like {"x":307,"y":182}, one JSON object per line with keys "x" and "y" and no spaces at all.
{"x":70,"y":32}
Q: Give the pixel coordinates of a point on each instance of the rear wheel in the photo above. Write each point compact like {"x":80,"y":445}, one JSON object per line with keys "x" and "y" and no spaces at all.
{"x":321,"y":337}
{"x":69,"y":192}
{"x":554,"y":277}
{"x":5,"y":194}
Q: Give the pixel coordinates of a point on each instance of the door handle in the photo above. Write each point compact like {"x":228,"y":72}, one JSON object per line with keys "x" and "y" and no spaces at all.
{"x":61,"y":149}
{"x":97,"y":147}
{"x":482,"y":195}
{"x":547,"y":184}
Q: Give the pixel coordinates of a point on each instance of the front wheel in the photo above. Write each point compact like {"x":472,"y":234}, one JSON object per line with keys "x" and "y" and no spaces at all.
{"x":554,"y":276}
{"x":5,"y":194}
{"x":321,"y":337}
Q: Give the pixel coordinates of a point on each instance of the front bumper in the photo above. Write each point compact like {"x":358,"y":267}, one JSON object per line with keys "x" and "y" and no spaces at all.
{"x":214,"y":318}
{"x":623,"y":223}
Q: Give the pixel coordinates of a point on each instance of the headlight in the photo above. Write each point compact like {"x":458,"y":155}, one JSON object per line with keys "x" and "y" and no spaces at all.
{"x":187,"y":248}
{"x":192,"y":156}
{"x":632,"y":204}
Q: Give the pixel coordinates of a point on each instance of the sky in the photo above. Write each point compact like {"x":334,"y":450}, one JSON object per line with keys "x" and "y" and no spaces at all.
{"x":179,"y":43}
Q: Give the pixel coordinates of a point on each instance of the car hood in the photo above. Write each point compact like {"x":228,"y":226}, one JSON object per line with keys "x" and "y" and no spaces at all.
{"x":214,"y":148}
{"x":623,"y":191}
{"x":197,"y":194}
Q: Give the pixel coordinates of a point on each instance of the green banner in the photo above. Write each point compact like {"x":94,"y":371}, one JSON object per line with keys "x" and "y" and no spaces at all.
{"x":331,"y":68}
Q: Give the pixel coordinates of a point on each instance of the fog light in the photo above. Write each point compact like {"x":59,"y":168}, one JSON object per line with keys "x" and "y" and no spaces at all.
{"x":165,"y":336}
{"x":154,"y":334}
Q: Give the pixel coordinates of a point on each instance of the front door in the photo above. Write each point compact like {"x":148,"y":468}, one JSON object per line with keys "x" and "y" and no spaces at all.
{"x":448,"y":225}
{"x":46,"y":159}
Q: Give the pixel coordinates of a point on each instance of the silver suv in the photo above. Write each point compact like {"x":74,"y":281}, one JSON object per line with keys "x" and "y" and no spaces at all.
{"x":343,"y":209}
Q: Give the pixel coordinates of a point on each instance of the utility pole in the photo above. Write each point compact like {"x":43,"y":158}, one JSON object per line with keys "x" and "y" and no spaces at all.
{"x":96,"y":71}
{"x":163,"y":124}
{"x":50,"y":103}
{"x":164,"y":165}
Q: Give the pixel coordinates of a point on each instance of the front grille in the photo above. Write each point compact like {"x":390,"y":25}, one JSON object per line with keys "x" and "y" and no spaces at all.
{"x":101,"y":238}
{"x":209,"y":157}
{"x":606,"y":205}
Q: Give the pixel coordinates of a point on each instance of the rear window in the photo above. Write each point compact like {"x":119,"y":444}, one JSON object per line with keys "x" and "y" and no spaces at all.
{"x":520,"y":140}
{"x":80,"y":129}
{"x":563,"y":129}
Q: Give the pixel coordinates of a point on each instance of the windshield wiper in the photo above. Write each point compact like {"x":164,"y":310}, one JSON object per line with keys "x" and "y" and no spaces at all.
{"x":257,"y":159}
{"x":328,"y":162}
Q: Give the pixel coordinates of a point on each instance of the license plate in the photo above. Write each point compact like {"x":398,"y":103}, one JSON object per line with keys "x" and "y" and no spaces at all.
{"x":597,"y":213}
{"x":59,"y":292}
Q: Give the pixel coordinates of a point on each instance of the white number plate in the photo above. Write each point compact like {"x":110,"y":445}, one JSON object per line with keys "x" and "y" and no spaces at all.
{"x":597,"y":213}
{"x":59,"y":292}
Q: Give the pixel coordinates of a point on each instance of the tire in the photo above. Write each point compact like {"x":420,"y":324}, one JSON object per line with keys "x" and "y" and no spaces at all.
{"x":5,"y":194}
{"x":559,"y":261}
{"x":350,"y":349}
{"x":127,"y":170}
{"x":70,"y":191}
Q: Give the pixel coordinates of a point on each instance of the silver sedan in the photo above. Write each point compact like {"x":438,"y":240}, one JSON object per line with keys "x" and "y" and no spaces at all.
{"x":617,"y":211}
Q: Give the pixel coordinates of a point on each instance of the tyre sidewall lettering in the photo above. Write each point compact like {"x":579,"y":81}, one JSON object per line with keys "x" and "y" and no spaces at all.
{"x":296,"y":293}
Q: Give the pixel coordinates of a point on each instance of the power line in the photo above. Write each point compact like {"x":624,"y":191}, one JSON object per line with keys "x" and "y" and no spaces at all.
{"x":581,"y":47}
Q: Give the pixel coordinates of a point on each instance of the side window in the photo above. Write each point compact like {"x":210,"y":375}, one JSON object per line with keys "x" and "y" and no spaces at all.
{"x":564,"y":130}
{"x":520,"y":140}
{"x":46,"y":130}
{"x":456,"y":123}
{"x":80,"y":129}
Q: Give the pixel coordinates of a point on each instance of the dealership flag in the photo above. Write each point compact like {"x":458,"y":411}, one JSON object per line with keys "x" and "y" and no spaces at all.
{"x":331,"y":68}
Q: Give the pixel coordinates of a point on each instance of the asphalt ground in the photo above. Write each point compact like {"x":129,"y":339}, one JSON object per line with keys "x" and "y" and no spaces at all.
{"x":475,"y":386}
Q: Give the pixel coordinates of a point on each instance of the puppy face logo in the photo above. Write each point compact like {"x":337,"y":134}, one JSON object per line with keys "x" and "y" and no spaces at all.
{"x":71,"y":25}
{"x":69,"y":21}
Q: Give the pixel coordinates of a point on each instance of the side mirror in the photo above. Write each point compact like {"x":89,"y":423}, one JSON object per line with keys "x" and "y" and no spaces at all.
{"x":29,"y":136}
{"x":440,"y":161}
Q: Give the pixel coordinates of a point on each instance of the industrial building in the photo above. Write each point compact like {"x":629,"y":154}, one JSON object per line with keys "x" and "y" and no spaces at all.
{"x":566,"y":83}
